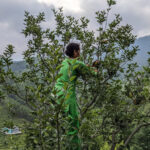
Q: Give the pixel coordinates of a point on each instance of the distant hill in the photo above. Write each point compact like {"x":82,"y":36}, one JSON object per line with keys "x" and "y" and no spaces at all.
{"x":18,"y":66}
{"x":140,"y":58}
{"x":144,"y":46}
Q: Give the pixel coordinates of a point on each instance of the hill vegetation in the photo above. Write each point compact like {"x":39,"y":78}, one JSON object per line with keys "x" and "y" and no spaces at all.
{"x":111,"y":111}
{"x":141,"y":57}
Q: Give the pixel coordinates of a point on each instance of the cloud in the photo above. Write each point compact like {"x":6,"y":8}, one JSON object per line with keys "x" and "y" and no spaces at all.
{"x":135,"y":13}
{"x":11,"y":22}
{"x":70,"y":5}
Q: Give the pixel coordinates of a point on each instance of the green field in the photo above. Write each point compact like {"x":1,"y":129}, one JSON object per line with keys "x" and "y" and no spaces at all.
{"x":10,"y":142}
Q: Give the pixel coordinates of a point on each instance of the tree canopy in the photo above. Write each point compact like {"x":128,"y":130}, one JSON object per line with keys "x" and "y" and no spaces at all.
{"x":114,"y":105}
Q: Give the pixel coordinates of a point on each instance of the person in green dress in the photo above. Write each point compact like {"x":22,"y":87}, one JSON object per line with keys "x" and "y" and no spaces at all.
{"x":71,"y":69}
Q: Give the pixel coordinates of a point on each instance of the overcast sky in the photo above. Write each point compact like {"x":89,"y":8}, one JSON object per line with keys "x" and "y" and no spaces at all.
{"x":134,"y":12}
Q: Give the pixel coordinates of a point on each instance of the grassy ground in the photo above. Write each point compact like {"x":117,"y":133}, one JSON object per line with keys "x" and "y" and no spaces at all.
{"x":10,"y":142}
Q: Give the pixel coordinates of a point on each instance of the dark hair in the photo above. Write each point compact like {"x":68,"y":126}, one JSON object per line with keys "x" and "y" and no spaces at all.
{"x":70,"y":49}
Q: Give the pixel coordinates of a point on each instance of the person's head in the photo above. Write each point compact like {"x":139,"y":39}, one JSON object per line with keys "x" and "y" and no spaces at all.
{"x":73,"y":50}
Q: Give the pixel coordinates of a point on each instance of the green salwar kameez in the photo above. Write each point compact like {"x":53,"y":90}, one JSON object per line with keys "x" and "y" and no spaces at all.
{"x":70,"y":70}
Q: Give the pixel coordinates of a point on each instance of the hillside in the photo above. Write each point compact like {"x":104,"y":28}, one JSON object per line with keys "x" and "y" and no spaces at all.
{"x":144,"y":46}
{"x":140,"y":58}
{"x":18,"y":66}
{"x":12,"y":110}
{"x":9,"y":142}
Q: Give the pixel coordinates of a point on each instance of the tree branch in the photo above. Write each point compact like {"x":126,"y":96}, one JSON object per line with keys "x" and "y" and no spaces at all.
{"x":89,"y":104}
{"x":134,"y":132}
{"x":114,"y":140}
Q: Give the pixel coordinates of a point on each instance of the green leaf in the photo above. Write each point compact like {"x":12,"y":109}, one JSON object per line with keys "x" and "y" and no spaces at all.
{"x":75,"y":67}
{"x":72,"y":78}
{"x":111,"y":2}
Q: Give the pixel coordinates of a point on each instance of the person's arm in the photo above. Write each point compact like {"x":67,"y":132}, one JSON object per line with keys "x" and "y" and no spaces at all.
{"x":96,"y":64}
{"x":85,"y":69}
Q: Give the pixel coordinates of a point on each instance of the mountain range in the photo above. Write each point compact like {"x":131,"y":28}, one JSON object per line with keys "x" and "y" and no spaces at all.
{"x":140,"y":58}
{"x":144,"y":48}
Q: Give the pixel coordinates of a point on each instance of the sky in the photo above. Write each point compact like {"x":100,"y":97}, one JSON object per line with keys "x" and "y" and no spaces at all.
{"x":133,"y":12}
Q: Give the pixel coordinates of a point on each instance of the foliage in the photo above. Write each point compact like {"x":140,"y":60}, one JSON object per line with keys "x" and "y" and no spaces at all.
{"x":110,"y":108}
{"x":9,"y":142}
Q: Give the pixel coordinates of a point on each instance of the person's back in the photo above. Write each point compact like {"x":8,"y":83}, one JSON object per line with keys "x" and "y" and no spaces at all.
{"x":67,"y":65}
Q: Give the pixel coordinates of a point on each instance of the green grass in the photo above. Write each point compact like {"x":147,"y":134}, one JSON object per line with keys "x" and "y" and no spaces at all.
{"x":11,"y":142}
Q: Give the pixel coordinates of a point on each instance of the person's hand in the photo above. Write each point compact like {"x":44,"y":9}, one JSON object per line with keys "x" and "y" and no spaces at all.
{"x":95,"y":70}
{"x":104,"y":41}
{"x":96,"y":64}
{"x":88,"y":65}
